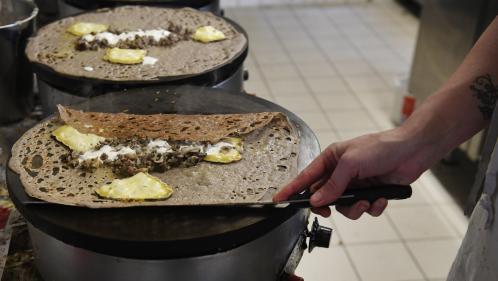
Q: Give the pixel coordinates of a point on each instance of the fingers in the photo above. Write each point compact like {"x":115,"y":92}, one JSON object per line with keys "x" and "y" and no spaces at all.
{"x":322,"y":211}
{"x":321,"y":166}
{"x":378,"y":207}
{"x":356,"y":211}
{"x":336,"y":184}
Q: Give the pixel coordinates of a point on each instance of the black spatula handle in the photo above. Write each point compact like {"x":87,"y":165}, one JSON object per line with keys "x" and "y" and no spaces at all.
{"x":353,"y":195}
{"x":370,"y":194}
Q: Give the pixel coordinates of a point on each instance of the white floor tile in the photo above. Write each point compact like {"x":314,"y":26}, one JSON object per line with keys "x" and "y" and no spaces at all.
{"x":353,"y":119}
{"x":325,"y":138}
{"x":270,"y":57}
{"x":345,"y":135}
{"x":257,"y":88}
{"x":367,"y":229}
{"x":365,"y":82}
{"x":353,"y":67}
{"x":455,"y":216}
{"x":309,"y":57}
{"x":435,"y":257}
{"x":384,"y":262}
{"x":379,"y":117}
{"x":316,"y":120}
{"x":326,"y":265}
{"x":420,"y":222}
{"x":327,"y":85}
{"x":333,"y":43}
{"x":288,"y":87}
{"x":279,"y":71}
{"x":419,"y":197}
{"x":341,"y":101}
{"x":435,"y":189}
{"x":297,"y":104}
{"x":392,"y":66}
{"x":297,"y":47}
{"x":336,"y":55}
{"x":376,"y":98}
{"x":316,"y":69}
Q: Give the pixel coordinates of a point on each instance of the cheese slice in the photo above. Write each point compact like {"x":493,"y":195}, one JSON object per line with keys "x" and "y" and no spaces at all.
{"x":125,"y":56}
{"x":141,"y":186}
{"x":206,"y":34}
{"x":228,"y":150}
{"x":83,"y":28}
{"x":75,"y":140}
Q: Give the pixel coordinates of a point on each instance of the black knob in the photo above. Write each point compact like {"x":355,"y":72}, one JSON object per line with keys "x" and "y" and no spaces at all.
{"x":246,"y":75}
{"x":319,"y":236}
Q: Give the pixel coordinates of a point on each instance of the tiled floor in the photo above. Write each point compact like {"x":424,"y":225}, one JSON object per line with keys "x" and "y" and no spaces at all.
{"x":337,"y":67}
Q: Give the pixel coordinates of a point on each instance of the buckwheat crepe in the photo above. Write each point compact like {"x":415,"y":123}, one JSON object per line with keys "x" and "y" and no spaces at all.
{"x":269,"y":158}
{"x":54,"y":47}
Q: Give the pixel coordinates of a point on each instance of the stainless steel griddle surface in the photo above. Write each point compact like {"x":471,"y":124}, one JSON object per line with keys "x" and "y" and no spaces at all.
{"x":165,"y":232}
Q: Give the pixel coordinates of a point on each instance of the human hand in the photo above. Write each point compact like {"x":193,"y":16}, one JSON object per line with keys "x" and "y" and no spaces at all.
{"x":382,"y":158}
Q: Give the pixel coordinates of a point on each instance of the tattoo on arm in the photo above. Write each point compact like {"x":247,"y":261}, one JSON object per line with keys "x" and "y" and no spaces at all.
{"x":486,"y":93}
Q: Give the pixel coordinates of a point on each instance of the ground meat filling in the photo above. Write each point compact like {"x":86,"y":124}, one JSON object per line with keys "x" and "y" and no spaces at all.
{"x":145,"y":158}
{"x":177,"y":34}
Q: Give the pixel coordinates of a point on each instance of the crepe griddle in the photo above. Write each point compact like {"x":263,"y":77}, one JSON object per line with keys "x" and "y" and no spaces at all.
{"x":92,"y":4}
{"x":165,"y":232}
{"x":89,"y":87}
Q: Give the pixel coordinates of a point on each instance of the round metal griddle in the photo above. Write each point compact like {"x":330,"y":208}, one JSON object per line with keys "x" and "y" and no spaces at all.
{"x":88,"y":87}
{"x":165,"y":232}
{"x":95,"y":4}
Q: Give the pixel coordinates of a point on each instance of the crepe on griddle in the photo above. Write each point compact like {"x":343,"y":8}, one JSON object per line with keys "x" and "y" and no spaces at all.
{"x":54,"y":47}
{"x":269,"y":160}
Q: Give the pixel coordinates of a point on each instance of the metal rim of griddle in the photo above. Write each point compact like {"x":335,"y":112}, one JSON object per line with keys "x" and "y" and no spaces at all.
{"x":88,"y":87}
{"x":96,"y":4}
{"x":166,"y":232}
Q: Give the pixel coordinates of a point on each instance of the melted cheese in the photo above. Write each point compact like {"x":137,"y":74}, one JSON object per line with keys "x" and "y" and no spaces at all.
{"x":84,"y":28}
{"x":226,"y":151}
{"x":125,"y":56}
{"x":75,"y":140}
{"x":206,"y":34}
{"x":141,"y":186}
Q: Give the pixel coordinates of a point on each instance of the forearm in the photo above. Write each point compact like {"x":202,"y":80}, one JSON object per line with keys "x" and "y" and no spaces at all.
{"x":462,"y":106}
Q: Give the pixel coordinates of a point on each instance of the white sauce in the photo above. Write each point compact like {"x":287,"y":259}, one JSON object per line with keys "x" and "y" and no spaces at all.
{"x":88,"y":68}
{"x":111,"y":152}
{"x":113,"y":39}
{"x":188,"y":148}
{"x":161,"y":146}
{"x":149,"y":60}
{"x":216,"y":148}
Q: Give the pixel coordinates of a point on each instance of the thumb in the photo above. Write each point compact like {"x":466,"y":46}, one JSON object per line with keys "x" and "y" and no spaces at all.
{"x":336,"y":184}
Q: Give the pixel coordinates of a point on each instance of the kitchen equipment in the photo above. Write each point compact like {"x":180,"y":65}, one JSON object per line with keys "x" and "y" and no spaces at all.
{"x":177,"y":243}
{"x":56,"y":88}
{"x":16,"y":78}
{"x":71,"y":7}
